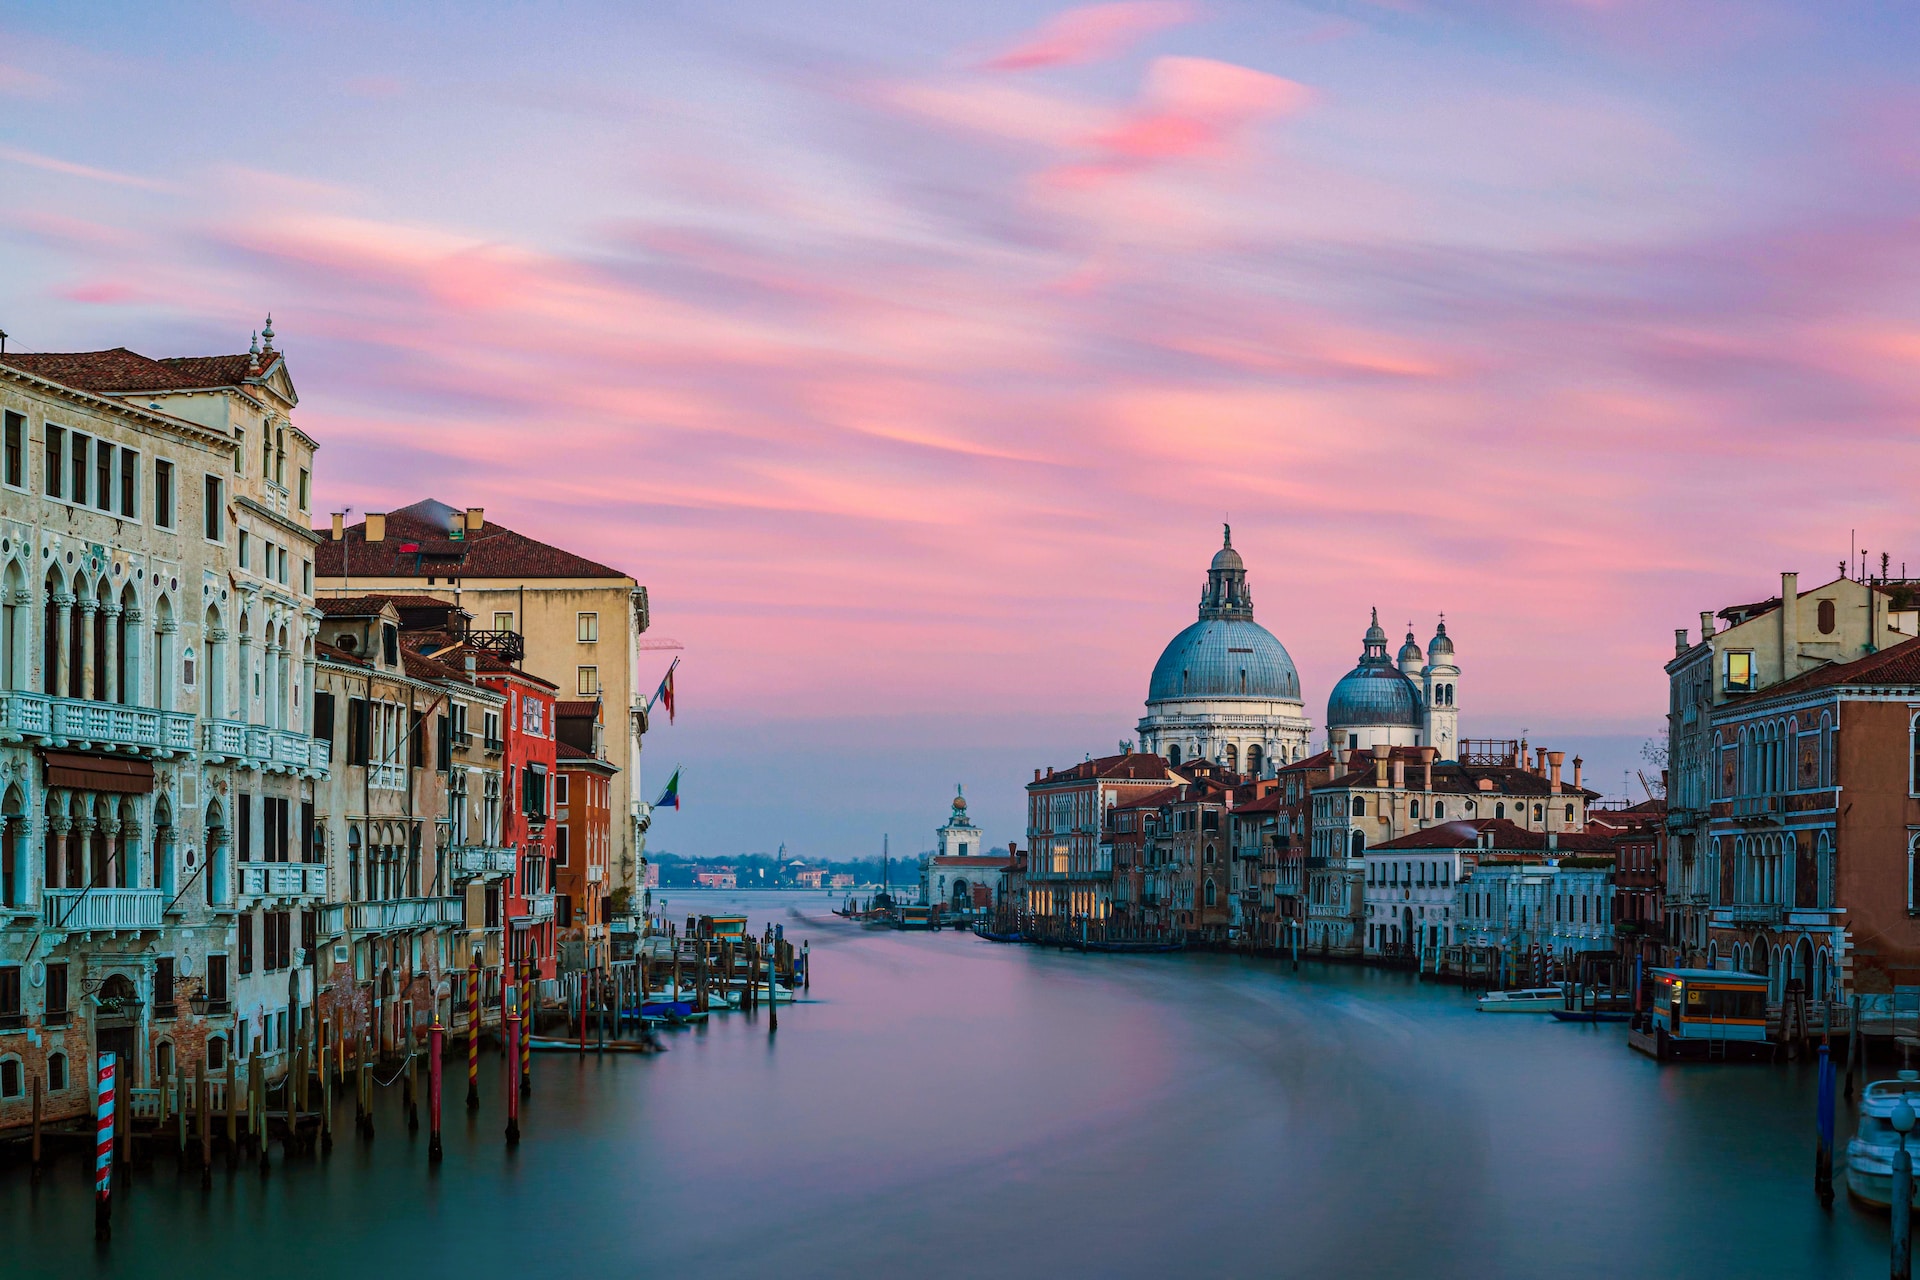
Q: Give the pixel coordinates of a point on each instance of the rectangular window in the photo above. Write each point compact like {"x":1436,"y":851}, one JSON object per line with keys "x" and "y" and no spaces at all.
{"x":243,"y":808}
{"x":323,"y":716}
{"x":280,"y":556}
{"x":130,"y":484}
{"x":306,"y":831}
{"x":503,"y":621}
{"x":163,"y":997}
{"x":103,"y":475}
{"x":246,"y":943}
{"x":443,"y":741}
{"x":587,"y":681}
{"x":356,"y":731}
{"x":79,"y":451}
{"x":56,"y":995}
{"x":216,"y":983}
{"x":1739,"y":671}
{"x":56,"y":461}
{"x":306,"y":577}
{"x":560,"y":846}
{"x":306,"y":489}
{"x":16,"y":446}
{"x":416,"y":741}
{"x":11,"y":1016}
{"x":587,"y":628}
{"x":163,"y":494}
{"x":559,"y":789}
{"x":244,"y":551}
{"x":215,"y":529}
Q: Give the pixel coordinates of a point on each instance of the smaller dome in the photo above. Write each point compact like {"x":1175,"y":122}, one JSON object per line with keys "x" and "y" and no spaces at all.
{"x":1442,"y":643}
{"x":1226,"y":557}
{"x":1376,"y":634}
{"x":1410,"y":651}
{"x":1373,"y":697}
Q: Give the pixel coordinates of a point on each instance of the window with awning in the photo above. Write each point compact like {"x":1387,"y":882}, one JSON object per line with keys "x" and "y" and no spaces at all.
{"x":79,"y":771}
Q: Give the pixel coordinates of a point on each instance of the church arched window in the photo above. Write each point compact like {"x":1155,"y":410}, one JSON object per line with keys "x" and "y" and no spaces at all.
{"x":1256,"y":758}
{"x":1500,"y":810}
{"x":1359,"y":806}
{"x":1358,"y":845}
{"x":1413,"y":809}
{"x":1233,"y":756}
{"x":1173,"y":754}
{"x":1210,"y":893}
{"x":1439,"y":810}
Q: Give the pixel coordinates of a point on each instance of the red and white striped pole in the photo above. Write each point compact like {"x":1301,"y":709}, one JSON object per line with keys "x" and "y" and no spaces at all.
{"x":103,"y":1152}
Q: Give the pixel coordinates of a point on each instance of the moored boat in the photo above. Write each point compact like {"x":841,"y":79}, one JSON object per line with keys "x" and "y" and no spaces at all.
{"x":1525,"y":1000}
{"x":1870,"y":1154}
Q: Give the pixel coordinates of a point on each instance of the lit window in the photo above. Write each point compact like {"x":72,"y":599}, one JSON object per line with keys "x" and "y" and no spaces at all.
{"x":1739,"y":671}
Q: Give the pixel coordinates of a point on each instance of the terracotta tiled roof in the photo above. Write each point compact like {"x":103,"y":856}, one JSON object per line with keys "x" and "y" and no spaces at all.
{"x":321,"y":649}
{"x":493,"y":551}
{"x":572,"y":710}
{"x":350,"y":606}
{"x":1899,"y":665}
{"x":1134,"y":766}
{"x":1324,"y":760}
{"x":570,"y":755}
{"x":421,"y":667}
{"x":1506,"y":837}
{"x":216,"y":371}
{"x":108,"y":372}
{"x":118,"y":371}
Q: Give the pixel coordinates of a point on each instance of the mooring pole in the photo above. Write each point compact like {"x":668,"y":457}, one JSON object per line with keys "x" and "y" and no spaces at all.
{"x":510,"y":1014}
{"x":103,"y":1151}
{"x":435,"y":1039}
{"x":1823,"y":1153}
{"x":473,"y":1035}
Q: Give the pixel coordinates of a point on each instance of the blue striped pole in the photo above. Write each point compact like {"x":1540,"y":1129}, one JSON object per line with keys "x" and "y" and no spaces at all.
{"x":103,"y":1152}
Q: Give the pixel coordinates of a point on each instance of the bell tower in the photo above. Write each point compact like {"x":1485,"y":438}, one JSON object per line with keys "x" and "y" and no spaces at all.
{"x":1439,"y":680}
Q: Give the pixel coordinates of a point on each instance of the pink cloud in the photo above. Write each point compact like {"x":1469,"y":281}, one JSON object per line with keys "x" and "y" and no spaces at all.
{"x":1091,"y":33}
{"x":53,"y":164}
{"x":1190,"y":108}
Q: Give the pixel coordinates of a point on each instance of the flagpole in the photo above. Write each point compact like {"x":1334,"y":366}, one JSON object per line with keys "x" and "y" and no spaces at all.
{"x":663,"y":684}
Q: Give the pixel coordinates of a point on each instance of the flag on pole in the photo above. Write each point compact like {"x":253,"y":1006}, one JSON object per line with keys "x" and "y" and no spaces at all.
{"x":665,"y":692}
{"x":670,"y":798}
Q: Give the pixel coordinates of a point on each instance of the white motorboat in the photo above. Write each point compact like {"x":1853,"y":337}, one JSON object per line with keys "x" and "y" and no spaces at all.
{"x":1870,"y":1154}
{"x":1526,"y":1000}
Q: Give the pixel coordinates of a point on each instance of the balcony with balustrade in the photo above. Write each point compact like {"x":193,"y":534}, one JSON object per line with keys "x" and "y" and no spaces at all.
{"x":102,"y":910}
{"x":470,"y":861}
{"x":337,"y":918}
{"x":297,"y":883}
{"x":539,"y":907}
{"x":93,"y":726}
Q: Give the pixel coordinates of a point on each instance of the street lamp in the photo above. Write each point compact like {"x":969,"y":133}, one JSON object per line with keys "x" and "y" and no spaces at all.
{"x":198,"y":1003}
{"x":1901,"y":1203}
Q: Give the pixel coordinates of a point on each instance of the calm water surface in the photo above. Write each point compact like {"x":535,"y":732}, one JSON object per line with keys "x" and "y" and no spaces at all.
{"x":947,"y":1106}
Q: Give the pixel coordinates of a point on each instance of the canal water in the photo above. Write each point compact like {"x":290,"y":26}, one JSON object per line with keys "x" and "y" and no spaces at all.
{"x":947,"y":1106}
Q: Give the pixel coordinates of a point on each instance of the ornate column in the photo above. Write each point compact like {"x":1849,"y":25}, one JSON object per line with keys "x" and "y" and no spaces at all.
{"x":62,"y":642}
{"x":11,"y":868}
{"x":133,"y":679}
{"x":246,"y":679}
{"x":270,"y":678}
{"x":115,"y":875}
{"x":54,"y":874}
{"x":88,"y":608}
{"x":213,"y":673}
{"x":79,"y":853}
{"x":163,"y":662}
{"x":112,"y":656}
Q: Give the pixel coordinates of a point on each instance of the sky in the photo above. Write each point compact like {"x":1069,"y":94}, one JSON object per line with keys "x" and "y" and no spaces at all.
{"x":912,"y":355}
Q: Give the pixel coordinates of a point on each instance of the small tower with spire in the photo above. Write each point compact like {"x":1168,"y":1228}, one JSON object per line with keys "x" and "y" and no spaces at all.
{"x":1439,"y":680}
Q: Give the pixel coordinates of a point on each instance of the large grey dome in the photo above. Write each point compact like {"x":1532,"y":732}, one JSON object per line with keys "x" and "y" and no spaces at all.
{"x":1224,"y":658}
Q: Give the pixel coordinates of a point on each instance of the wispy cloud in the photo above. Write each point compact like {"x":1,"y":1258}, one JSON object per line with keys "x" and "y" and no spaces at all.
{"x":68,"y":168}
{"x":1091,"y":33}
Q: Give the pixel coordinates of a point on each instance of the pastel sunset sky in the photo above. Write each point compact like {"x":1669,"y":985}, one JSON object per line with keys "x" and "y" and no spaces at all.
{"x":912,"y":354}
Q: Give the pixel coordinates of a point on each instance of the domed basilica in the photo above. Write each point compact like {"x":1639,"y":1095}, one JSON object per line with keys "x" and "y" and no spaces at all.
{"x":1225,"y":689}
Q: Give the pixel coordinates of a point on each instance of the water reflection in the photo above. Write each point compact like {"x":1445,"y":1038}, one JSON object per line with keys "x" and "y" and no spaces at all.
{"x":951,"y":1106}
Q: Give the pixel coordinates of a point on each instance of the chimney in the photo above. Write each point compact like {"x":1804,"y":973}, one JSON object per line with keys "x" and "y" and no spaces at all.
{"x":1380,"y":751}
{"x":1679,"y":641}
{"x":1399,"y":773}
{"x":1789,"y":625}
{"x":339,"y":525}
{"x":1576,"y":773}
{"x":1706,"y":624}
{"x":1553,"y":767}
{"x":1427,"y":755}
{"x":476,"y":517}
{"x":1539,"y":768}
{"x":1049,"y":771}
{"x":376,"y":526}
{"x":1036,"y":775}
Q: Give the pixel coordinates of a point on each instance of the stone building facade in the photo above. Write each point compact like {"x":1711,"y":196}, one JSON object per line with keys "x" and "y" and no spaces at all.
{"x":156,"y":676}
